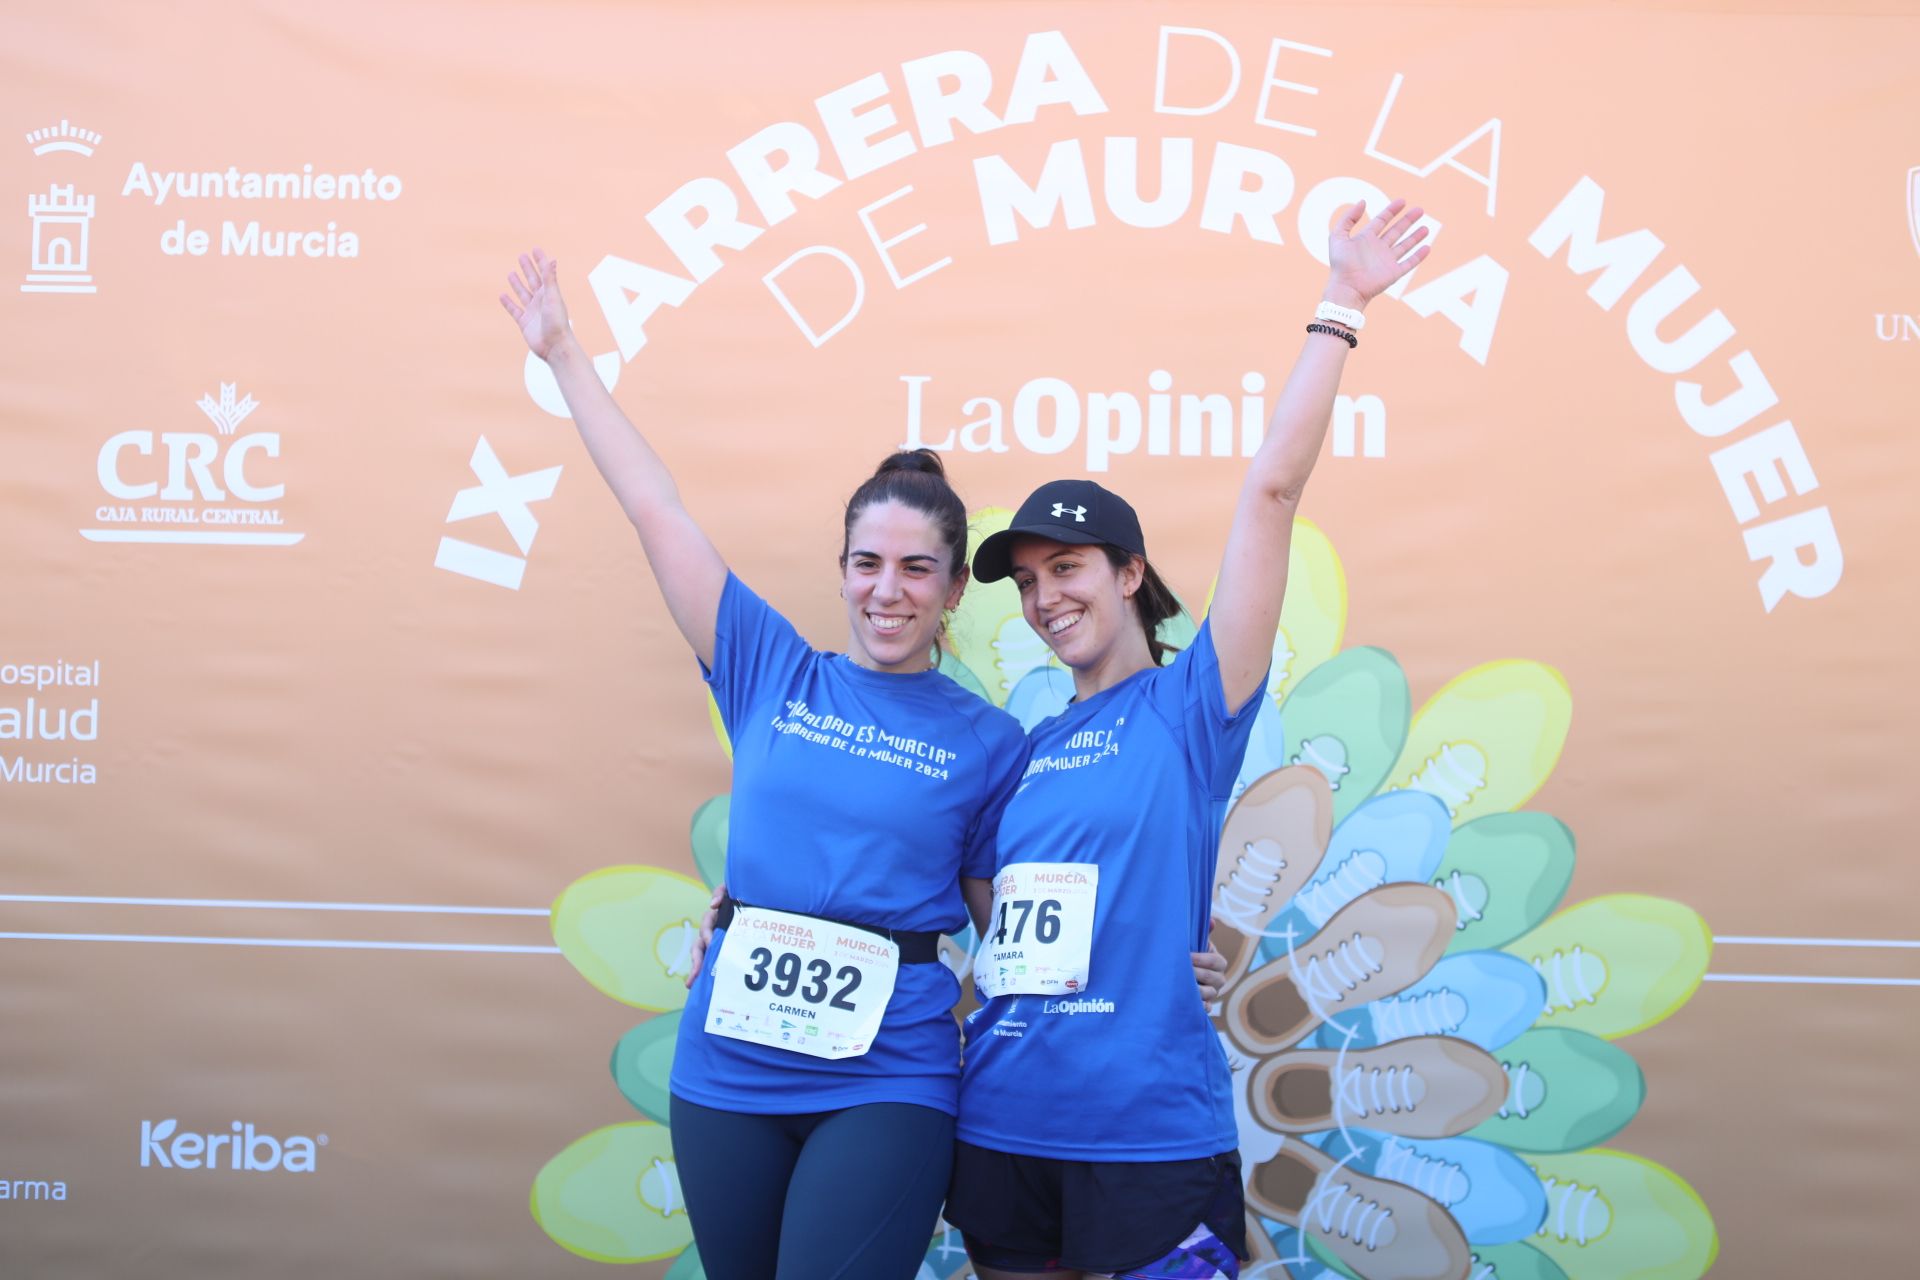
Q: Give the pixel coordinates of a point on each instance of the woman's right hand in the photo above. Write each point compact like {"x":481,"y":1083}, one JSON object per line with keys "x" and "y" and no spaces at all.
{"x":535,"y":304}
{"x":705,"y":939}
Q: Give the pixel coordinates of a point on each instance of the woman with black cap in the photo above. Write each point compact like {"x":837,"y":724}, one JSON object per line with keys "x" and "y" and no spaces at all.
{"x":1096,"y":1125}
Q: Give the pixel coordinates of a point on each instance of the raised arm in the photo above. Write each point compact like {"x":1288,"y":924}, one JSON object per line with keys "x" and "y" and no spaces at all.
{"x":1253,"y":572}
{"x":689,"y":570}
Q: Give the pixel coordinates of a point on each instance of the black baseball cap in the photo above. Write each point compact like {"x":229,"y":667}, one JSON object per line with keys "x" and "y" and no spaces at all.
{"x":1078,"y":511}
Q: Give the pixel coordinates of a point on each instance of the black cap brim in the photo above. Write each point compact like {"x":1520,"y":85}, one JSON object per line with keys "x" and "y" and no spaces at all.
{"x":994,"y":560}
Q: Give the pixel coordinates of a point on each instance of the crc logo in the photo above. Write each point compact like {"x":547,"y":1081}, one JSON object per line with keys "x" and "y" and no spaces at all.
{"x":242,"y":1150}
{"x":211,"y":472}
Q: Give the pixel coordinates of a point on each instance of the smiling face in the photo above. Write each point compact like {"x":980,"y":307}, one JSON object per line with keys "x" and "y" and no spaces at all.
{"x":1082,"y":607}
{"x":898,"y":584}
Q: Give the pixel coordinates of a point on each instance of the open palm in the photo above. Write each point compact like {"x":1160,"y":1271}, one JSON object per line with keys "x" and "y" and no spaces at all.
{"x":535,"y":304}
{"x":1370,"y":259}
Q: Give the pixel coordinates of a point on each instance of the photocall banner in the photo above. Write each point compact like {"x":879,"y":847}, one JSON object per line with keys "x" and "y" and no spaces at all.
{"x":358,"y":798}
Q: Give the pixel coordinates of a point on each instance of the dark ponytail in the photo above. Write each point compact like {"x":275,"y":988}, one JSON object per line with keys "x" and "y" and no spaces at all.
{"x":914,"y":478}
{"x":1153,"y":601}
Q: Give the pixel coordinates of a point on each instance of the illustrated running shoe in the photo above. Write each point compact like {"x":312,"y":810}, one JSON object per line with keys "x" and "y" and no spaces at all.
{"x":988,"y":612}
{"x":1513,"y":1262}
{"x":1487,"y":741}
{"x":1042,"y":693}
{"x":630,"y":932}
{"x":1380,"y":1230}
{"x":950,"y":665}
{"x":643,"y":1064}
{"x":1491,"y":1192}
{"x":1266,"y":748}
{"x":614,"y":1196}
{"x":1274,"y":838}
{"x":1484,"y":997}
{"x":687,"y":1266}
{"x":1393,"y":838}
{"x":1567,"y":1090}
{"x":1328,"y":754}
{"x":709,"y":838}
{"x":1257,"y":1142}
{"x":1276,"y":1253}
{"x":1314,"y":613}
{"x":1379,"y":945}
{"x":1348,"y":717}
{"x":1506,"y":872}
{"x":946,"y":1257}
{"x":1617,"y":964}
{"x":1612,"y":1213}
{"x":1431,"y":1087}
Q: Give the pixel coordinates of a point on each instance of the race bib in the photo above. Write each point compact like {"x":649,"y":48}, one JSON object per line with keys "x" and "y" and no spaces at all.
{"x":1040,"y":936}
{"x":801,"y":983}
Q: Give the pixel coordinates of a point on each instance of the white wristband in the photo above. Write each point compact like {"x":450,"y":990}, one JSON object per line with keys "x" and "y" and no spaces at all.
{"x":1347,"y":316}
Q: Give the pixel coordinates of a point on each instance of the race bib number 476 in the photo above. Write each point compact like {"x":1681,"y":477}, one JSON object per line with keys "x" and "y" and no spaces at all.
{"x":802,"y":984}
{"x":1040,"y":936}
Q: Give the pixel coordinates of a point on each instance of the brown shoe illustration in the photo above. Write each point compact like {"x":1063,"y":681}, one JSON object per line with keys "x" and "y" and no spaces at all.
{"x":1274,"y":837}
{"x":1379,"y":1230}
{"x":1263,"y":1260}
{"x":1381,"y":943}
{"x":1427,"y":1087}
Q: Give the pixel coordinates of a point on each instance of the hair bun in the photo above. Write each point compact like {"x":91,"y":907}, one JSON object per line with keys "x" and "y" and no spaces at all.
{"x":922,"y":460}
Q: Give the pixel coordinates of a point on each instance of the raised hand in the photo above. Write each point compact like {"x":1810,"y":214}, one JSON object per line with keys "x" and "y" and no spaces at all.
{"x":1368,"y":260}
{"x":535,"y":304}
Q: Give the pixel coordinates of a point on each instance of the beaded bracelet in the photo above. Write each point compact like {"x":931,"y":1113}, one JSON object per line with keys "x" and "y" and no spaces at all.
{"x":1338,"y":333}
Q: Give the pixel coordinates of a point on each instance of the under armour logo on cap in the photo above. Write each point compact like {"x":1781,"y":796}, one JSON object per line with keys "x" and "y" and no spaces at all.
{"x":1075,"y":512}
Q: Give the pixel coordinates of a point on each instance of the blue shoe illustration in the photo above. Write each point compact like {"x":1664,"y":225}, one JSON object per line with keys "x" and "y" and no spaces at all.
{"x":1483,"y":997}
{"x":1491,"y":1192}
{"x":1266,"y":747}
{"x":1393,"y":838}
{"x":1042,"y":692}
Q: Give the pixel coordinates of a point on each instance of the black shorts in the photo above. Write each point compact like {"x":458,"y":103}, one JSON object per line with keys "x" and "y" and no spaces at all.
{"x":1030,"y":1213}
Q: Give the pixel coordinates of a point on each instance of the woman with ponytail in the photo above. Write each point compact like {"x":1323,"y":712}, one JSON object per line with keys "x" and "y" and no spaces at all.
{"x":814,"y":1078}
{"x":1097,"y":1131}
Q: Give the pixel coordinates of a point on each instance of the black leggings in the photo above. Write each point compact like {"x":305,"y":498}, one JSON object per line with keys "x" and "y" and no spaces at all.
{"x":826,"y":1195}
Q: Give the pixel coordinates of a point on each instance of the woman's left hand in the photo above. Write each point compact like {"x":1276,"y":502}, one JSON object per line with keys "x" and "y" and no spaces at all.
{"x":1366,"y":260}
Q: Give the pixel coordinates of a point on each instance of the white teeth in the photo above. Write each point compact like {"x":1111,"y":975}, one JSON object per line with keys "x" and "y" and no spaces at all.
{"x":1061,"y":624}
{"x":886,"y":624}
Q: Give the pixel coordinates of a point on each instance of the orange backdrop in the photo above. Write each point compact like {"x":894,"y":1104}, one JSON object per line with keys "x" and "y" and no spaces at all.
{"x":1640,"y":420}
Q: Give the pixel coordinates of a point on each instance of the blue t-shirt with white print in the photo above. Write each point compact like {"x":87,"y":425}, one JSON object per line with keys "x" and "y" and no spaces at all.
{"x":1136,"y":779}
{"x":860,"y":796}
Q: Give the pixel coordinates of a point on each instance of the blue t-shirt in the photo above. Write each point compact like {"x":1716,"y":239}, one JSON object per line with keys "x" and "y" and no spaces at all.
{"x":859,"y":796}
{"x":1136,"y":779}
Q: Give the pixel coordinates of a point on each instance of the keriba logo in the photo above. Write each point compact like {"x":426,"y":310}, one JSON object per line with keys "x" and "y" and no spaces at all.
{"x":246,"y":1150}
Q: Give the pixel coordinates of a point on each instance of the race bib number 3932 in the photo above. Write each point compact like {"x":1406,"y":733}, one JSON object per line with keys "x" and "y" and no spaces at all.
{"x":802,"y":984}
{"x":1040,"y":936}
